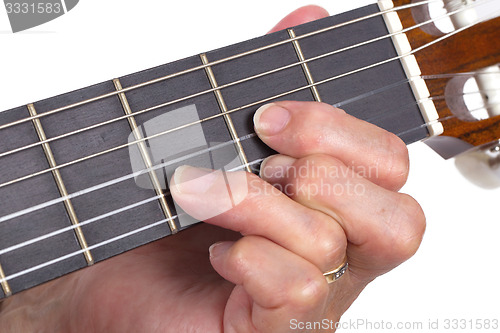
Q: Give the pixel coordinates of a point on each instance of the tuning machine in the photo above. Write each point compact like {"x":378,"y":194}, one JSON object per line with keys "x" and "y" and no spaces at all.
{"x":481,"y":166}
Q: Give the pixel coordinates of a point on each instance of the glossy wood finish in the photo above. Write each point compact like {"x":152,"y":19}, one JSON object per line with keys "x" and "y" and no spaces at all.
{"x":468,"y":51}
{"x":379,"y":94}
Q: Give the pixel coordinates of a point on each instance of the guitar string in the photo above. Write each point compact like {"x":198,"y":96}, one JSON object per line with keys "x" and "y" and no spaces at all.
{"x":220,"y":61}
{"x":123,"y":146}
{"x":443,"y":119}
{"x":439,"y":120}
{"x":397,"y":84}
{"x":108,"y":241}
{"x":212,"y":90}
{"x":80,"y":224}
{"x":453,"y":75}
{"x":423,"y":125}
{"x":122,"y":209}
{"x":241,"y":107}
{"x":140,"y":203}
{"x":60,"y":166}
{"x":115,"y":181}
{"x":221,"y":114}
{"x":95,"y":246}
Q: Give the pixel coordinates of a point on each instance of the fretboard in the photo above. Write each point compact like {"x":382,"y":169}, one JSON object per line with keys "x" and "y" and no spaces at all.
{"x":78,"y":198}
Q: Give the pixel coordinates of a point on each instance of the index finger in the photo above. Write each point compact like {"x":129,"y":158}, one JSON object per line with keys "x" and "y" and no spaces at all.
{"x":300,"y":129}
{"x":244,"y":203}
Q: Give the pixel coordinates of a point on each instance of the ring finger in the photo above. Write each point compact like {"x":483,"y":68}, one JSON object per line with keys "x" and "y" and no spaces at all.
{"x":383,"y":227}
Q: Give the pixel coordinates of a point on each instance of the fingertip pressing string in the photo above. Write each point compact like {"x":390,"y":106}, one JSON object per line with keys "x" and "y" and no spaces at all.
{"x":59,"y":259}
{"x":162,"y":133}
{"x":206,"y":119}
{"x":228,"y":84}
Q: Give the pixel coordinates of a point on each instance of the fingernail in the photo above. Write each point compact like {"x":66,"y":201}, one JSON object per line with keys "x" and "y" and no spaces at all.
{"x":191,"y":180}
{"x":271,"y":119}
{"x":276,"y":166}
{"x":218,"y":249}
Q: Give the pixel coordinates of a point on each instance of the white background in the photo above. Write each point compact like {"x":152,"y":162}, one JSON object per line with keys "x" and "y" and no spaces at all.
{"x":455,"y":273}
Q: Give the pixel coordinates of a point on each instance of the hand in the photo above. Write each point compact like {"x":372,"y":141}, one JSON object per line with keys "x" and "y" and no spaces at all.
{"x":271,"y":250}
{"x":345,"y":203}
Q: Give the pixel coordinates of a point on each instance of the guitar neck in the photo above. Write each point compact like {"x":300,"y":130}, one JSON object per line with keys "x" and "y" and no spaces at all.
{"x":71,"y":188}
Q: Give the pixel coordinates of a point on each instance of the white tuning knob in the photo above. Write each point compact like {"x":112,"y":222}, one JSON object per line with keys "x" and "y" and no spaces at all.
{"x":463,"y":17}
{"x":481,"y":166}
{"x":488,"y":81}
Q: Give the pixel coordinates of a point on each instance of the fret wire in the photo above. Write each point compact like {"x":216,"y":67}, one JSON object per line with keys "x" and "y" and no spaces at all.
{"x":224,"y":109}
{"x":119,"y":180}
{"x":234,"y":169}
{"x":221,"y":87}
{"x":239,"y":108}
{"x":4,"y":280}
{"x":120,"y":210}
{"x":248,"y":105}
{"x":114,"y":239}
{"x":61,"y":186}
{"x":114,"y":93}
{"x":145,"y":157}
{"x":103,"y":216}
{"x":92,"y":220}
{"x":305,"y":67}
{"x":80,"y":224}
{"x":4,"y":283}
{"x":138,"y":173}
{"x":227,"y":85}
{"x":95,"y":246}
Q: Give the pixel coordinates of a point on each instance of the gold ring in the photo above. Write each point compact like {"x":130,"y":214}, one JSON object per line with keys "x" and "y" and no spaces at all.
{"x":337,"y":273}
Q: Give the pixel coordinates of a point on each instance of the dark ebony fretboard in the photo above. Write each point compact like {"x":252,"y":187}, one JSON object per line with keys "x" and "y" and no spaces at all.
{"x":379,"y":95}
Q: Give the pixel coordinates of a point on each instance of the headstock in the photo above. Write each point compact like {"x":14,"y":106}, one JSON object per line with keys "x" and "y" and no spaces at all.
{"x":470,"y":51}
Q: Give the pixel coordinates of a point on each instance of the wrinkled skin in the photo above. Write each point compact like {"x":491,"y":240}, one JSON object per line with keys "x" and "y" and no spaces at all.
{"x":272,"y":247}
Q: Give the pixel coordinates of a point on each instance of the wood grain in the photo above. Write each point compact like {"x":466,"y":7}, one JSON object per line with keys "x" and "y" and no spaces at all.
{"x":468,"y":51}
{"x":380,"y":95}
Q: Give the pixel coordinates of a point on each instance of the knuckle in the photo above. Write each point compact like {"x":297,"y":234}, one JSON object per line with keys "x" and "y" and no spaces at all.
{"x":310,"y":292}
{"x":317,"y":176}
{"x":319,"y":166}
{"x":335,"y":253}
{"x":236,"y":259}
{"x":302,"y":143}
{"x":397,"y":161}
{"x":330,"y":243}
{"x":313,"y":122}
{"x":408,"y":227}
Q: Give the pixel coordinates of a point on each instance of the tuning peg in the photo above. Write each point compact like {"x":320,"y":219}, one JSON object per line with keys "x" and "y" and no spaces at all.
{"x":481,"y":166}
